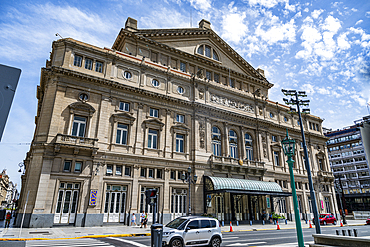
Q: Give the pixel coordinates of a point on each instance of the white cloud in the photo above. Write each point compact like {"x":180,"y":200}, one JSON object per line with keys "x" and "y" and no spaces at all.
{"x":156,"y":19}
{"x":331,"y":24}
{"x":267,"y":3}
{"x":358,"y":22}
{"x":202,"y":5}
{"x":316,"y":13}
{"x":277,"y":32}
{"x":306,"y":10}
{"x":343,"y":43}
{"x":233,"y":25}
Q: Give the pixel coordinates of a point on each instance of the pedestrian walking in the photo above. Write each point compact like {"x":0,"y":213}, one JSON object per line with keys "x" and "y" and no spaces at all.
{"x":146,"y":220}
{"x":133,"y":219}
{"x":7,"y":219}
{"x":142,"y":218}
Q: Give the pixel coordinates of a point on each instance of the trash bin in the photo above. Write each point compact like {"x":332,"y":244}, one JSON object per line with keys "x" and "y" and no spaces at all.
{"x":156,"y":235}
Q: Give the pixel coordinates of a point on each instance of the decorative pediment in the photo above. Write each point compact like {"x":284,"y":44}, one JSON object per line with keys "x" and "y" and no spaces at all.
{"x":276,"y":146}
{"x":320,"y":154}
{"x":123,"y":117}
{"x":82,"y":107}
{"x":180,"y":127}
{"x":153,"y":123}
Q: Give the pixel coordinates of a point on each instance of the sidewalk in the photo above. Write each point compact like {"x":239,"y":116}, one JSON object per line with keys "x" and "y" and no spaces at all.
{"x":71,"y":232}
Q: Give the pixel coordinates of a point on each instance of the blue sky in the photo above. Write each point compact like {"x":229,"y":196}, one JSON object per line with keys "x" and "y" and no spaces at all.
{"x":322,"y":47}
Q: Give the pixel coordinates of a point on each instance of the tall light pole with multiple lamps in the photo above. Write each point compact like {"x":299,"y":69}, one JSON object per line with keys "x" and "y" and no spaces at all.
{"x":294,"y":100}
{"x":289,"y":149}
{"x":189,"y":180}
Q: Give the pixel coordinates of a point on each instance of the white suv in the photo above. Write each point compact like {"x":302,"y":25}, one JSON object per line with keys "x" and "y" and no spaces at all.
{"x":192,"y":231}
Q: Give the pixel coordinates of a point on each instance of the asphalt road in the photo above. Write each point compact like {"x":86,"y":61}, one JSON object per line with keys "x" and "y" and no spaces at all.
{"x":286,"y":238}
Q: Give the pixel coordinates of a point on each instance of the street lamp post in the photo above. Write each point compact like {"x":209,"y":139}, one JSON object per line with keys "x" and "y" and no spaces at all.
{"x":340,"y":190}
{"x":289,"y":148}
{"x":189,"y":180}
{"x":299,"y":103}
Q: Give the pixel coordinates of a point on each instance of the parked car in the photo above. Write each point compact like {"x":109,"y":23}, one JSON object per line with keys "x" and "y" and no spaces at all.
{"x":192,"y":231}
{"x":368,"y":221}
{"x":327,"y":218}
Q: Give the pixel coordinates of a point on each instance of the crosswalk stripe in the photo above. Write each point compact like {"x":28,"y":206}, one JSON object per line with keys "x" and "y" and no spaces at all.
{"x":130,"y":242}
{"x":69,"y":243}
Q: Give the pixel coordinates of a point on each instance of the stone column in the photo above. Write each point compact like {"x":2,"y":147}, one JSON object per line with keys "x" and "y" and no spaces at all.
{"x":135,"y":193}
{"x":167,"y":134}
{"x":138,"y":130}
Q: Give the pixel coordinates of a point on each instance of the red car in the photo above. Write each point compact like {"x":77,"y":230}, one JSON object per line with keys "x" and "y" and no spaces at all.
{"x":368,"y":221}
{"x":326,"y":218}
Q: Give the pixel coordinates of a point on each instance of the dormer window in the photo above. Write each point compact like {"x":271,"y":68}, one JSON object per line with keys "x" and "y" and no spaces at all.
{"x":207,"y":51}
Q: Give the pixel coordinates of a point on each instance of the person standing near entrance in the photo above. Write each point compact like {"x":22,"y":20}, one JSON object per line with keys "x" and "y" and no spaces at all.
{"x":145,"y":220}
{"x":142,"y":218}
{"x":133,"y":219}
{"x":7,"y":219}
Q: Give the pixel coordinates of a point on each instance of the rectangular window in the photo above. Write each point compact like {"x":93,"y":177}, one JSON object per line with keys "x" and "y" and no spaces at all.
{"x":180,"y":118}
{"x":99,"y":67}
{"x":273,"y":138}
{"x":153,"y":112}
{"x":276,"y":158}
{"x":67,"y":166}
{"x":121,"y":137}
{"x":124,"y":106}
{"x":179,"y":143}
{"x":77,"y":61}
{"x":127,"y":171}
{"x":183,"y":67}
{"x":159,"y":174}
{"x":216,"y":78}
{"x":78,"y":166}
{"x":209,"y":75}
{"x":88,"y":63}
{"x":152,"y":139}
{"x":173,"y":175}
{"x":119,"y":170}
{"x":231,"y":82}
{"x":109,"y":169}
{"x":79,"y":126}
{"x":151,"y":173}
{"x":179,"y":175}
{"x":143,"y":172}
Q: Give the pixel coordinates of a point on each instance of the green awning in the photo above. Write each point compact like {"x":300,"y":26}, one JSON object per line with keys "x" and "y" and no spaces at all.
{"x":242,"y":186}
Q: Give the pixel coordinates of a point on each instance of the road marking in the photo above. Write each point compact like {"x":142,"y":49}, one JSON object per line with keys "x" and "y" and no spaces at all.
{"x":246,"y":244}
{"x":75,"y":242}
{"x":129,"y":242}
{"x":230,"y":238}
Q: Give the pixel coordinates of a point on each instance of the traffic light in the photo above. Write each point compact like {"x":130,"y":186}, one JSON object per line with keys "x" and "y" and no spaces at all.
{"x":150,"y":194}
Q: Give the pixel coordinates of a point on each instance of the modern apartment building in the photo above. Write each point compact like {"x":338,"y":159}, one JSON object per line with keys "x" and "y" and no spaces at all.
{"x":349,"y":165}
{"x":114,"y":122}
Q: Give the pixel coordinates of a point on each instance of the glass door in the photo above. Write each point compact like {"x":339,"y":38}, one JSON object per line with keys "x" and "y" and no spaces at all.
{"x":66,"y":208}
{"x":220,"y":208}
{"x":115,"y":204}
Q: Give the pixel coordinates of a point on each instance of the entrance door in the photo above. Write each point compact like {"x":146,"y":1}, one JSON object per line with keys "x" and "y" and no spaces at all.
{"x":238,"y":207}
{"x":178,"y":203}
{"x":115,"y":204}
{"x":220,"y":208}
{"x":66,"y":207}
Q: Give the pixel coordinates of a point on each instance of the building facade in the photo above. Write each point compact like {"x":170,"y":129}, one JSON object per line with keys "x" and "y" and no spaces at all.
{"x":350,"y":167}
{"x":114,"y":122}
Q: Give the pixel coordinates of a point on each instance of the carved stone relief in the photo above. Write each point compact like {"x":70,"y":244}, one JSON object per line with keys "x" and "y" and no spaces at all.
{"x":264,"y":146}
{"x":201,"y":134}
{"x":231,"y":103}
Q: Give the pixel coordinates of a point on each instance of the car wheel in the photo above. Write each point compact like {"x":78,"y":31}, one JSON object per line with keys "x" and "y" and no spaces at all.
{"x":176,"y":243}
{"x":215,"y":242}
{"x":335,"y":222}
{"x":324,"y":223}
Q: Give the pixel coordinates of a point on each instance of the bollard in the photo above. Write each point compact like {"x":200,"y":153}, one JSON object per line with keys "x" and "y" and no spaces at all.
{"x":156,"y":235}
{"x":349,"y":232}
{"x":237,"y":223}
{"x":223,"y":223}
{"x":338,"y":232}
{"x":355,"y":232}
{"x":344,"y":232}
{"x":286,"y":221}
{"x":263,"y":222}
{"x":250,"y":222}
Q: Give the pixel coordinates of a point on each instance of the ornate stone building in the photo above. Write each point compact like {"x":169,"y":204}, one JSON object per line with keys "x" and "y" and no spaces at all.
{"x":113,"y":122}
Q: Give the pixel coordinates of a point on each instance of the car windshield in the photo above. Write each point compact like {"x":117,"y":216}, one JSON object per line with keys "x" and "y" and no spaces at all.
{"x":322,"y":215}
{"x":176,"y":223}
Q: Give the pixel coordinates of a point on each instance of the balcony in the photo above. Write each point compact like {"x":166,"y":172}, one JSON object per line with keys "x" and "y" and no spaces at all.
{"x":247,"y":166}
{"x":325,"y":176}
{"x":75,"y":142}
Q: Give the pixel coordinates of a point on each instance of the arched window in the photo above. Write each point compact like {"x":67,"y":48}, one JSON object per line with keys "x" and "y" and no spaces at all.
{"x":207,"y":51}
{"x":233,"y":144}
{"x":200,"y":50}
{"x":216,"y":141}
{"x":248,"y":147}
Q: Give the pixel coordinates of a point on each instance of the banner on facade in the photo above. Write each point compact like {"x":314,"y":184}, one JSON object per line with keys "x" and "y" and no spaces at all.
{"x":93,"y":194}
{"x":322,"y":204}
{"x":268,"y":202}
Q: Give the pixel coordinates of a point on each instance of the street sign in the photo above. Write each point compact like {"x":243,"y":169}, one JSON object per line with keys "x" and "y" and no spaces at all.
{"x":9,"y":77}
